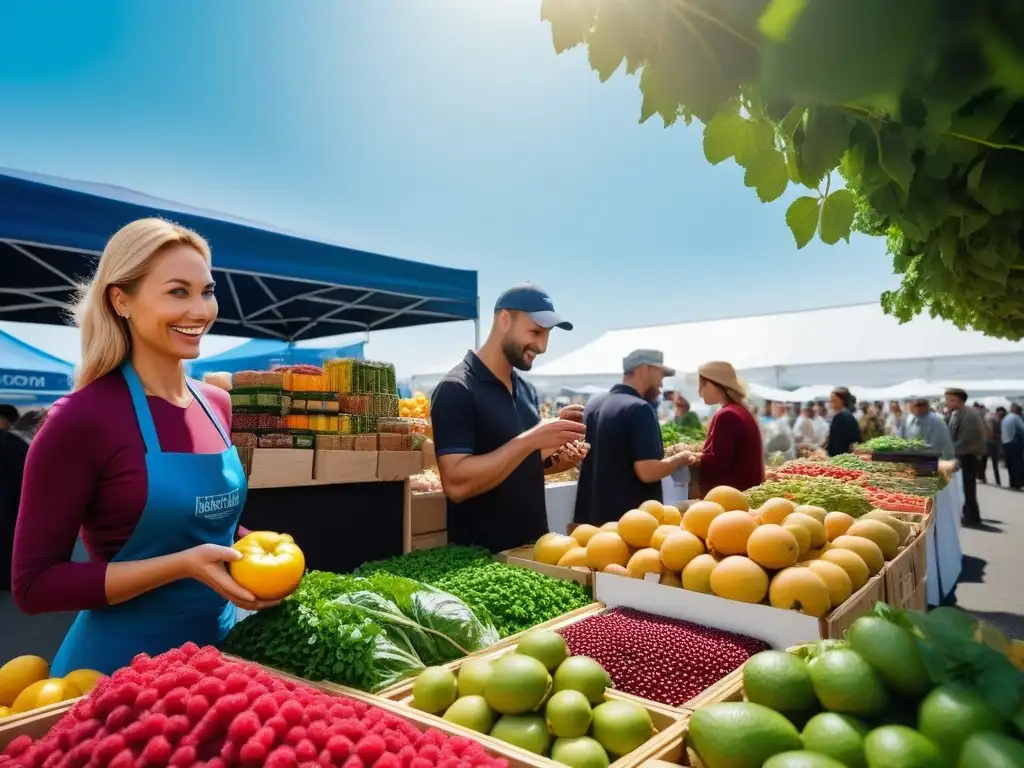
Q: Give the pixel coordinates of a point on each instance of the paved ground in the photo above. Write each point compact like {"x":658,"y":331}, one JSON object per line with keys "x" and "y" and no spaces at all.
{"x":991,"y":585}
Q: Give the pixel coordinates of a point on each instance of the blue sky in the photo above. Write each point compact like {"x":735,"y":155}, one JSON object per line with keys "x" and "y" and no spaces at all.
{"x":445,"y":131}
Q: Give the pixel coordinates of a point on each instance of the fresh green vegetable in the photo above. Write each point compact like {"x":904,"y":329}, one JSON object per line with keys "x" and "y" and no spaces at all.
{"x":429,"y":565}
{"x":831,"y":495}
{"x":364,"y":632}
{"x":892,"y":444}
{"x":849,"y":461}
{"x":673,"y":434}
{"x":902,"y":119}
{"x":514,"y":598}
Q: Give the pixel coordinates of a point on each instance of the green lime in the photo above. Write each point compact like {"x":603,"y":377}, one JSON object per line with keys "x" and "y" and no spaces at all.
{"x":740,"y":734}
{"x":802,"y":759}
{"x":780,"y":681}
{"x":992,"y":750}
{"x":893,"y":653}
{"x":845,"y":682}
{"x":896,"y":746}
{"x":838,"y":736}
{"x":952,"y":713}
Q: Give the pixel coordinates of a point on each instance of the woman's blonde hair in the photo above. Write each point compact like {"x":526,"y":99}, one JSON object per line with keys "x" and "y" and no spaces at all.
{"x":125,"y":261}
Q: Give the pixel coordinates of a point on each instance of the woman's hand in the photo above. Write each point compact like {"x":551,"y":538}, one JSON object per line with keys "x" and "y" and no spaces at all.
{"x":207,"y":563}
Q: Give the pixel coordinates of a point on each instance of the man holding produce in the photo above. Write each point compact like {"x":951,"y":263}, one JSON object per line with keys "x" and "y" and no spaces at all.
{"x":492,"y":449}
{"x":628,"y":462}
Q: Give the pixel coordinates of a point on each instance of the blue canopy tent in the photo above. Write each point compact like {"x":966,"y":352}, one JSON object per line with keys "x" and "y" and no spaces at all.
{"x":29,"y":376}
{"x":262,"y":354}
{"x":272,"y":285}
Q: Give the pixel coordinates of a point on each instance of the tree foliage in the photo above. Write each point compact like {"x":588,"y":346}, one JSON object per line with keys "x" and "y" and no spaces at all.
{"x":904,"y":119}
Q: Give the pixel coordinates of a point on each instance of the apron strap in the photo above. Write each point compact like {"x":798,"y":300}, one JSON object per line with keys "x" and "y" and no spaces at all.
{"x":209,"y":411}
{"x":142,"y":412}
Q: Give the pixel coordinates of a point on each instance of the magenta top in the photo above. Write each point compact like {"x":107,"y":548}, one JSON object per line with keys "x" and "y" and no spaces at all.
{"x":86,"y":471}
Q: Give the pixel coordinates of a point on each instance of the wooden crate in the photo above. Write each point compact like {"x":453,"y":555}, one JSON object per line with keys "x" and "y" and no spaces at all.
{"x":904,"y":576}
{"x":666,"y":745}
{"x":34,"y":723}
{"x":403,"y":691}
{"x":835,"y":624}
{"x":522,"y":557}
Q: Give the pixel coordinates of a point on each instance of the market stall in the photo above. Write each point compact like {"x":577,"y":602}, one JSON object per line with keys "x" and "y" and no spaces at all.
{"x":30,"y":377}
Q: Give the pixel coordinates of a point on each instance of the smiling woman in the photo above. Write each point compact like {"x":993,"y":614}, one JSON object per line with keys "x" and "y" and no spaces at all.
{"x":146,"y":470}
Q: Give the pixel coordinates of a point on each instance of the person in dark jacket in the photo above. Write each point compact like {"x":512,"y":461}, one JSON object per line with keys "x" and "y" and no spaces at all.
{"x":844,"y":431}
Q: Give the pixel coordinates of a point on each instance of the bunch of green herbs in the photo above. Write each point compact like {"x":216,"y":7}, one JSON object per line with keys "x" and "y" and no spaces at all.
{"x":429,"y":565}
{"x":831,"y":495}
{"x":893,"y":444}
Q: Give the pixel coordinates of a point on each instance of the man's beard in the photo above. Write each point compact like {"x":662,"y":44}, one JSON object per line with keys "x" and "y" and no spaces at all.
{"x":651,"y":394}
{"x":516,"y":356}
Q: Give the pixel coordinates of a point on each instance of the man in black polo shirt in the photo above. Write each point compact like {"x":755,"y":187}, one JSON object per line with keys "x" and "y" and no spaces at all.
{"x":627,"y":461}
{"x":491,"y":445}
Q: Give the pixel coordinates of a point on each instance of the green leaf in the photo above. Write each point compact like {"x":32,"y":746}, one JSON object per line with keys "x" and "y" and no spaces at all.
{"x":767,"y":174}
{"x":948,"y":244}
{"x":802,"y":218}
{"x":570,"y":20}
{"x":837,"y":51}
{"x":778,"y":18}
{"x":837,"y":211}
{"x":604,"y":49}
{"x":972,"y":223}
{"x":657,"y":100}
{"x":724,"y":136}
{"x":757,"y":137}
{"x":826,"y":138}
{"x":896,"y":156}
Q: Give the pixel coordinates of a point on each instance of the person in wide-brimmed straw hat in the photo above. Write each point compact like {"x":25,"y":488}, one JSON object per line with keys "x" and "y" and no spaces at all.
{"x":733,"y":452}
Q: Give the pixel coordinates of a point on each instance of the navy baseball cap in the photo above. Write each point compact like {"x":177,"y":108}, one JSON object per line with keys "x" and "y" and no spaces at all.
{"x":535,"y":302}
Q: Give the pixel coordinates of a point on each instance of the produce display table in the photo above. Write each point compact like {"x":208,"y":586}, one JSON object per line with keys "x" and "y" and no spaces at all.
{"x":945,"y":558}
{"x":339,"y":525}
{"x":560,"y":499}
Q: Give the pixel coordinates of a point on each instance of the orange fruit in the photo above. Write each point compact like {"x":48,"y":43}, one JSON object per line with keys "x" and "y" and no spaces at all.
{"x":697,"y":574}
{"x":814,"y":528}
{"x":728,"y":533}
{"x":643,"y":562}
{"x":773,"y":547}
{"x":840,"y":587}
{"x":679,"y":549}
{"x":654,"y":509}
{"x":697,"y":518}
{"x":739,"y":578}
{"x":799,"y":589}
{"x":836,"y":524}
{"x":775,"y":510}
{"x":730,"y":498}
{"x":850,"y":562}
{"x":803,"y":538}
{"x":606,"y":548}
{"x":636,"y":528}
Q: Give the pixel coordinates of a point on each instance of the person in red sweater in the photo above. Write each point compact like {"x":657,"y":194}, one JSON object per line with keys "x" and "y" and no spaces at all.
{"x":138,"y":459}
{"x":733,"y":453}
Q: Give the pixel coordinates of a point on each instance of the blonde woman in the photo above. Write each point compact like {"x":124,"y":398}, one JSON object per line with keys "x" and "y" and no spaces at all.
{"x":138,"y":458}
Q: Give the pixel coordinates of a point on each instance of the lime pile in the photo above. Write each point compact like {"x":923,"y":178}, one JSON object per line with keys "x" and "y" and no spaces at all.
{"x":540,"y":699}
{"x":868,"y":702}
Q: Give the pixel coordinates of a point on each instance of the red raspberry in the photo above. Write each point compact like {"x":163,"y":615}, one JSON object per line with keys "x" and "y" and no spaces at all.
{"x":370,"y":748}
{"x":342,"y":711}
{"x":430,"y":752}
{"x":406,"y":755}
{"x":353,"y":729}
{"x":317,"y":732}
{"x":387,"y":760}
{"x":175,"y":700}
{"x":279,"y":724}
{"x":294,"y":735}
{"x":266,"y":736}
{"x":141,"y":662}
{"x":166,"y":683}
{"x":395,"y":741}
{"x":340,"y":747}
{"x":215,"y":762}
{"x":448,"y":762}
{"x":253,"y":752}
{"x":196,"y":706}
{"x":229,"y":752}
{"x":292,"y":711}
{"x":177,"y":726}
{"x":317,"y":711}
{"x":324,"y":760}
{"x":353,"y":761}
{"x":254,"y":690}
{"x":147,"y":698}
{"x":282,"y":757}
{"x":265,"y":707}
{"x":222,"y":670}
{"x":185,"y":757}
{"x":189,"y":676}
{"x":230,"y":705}
{"x":189,"y":649}
{"x":157,"y":752}
{"x":123,"y":759}
{"x":109,"y":746}
{"x":236,"y":682}
{"x":244,"y":726}
{"x":305,"y":751}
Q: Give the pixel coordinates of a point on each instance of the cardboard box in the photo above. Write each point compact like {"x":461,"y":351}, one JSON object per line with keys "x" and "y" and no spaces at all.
{"x":429,"y":540}
{"x":779,"y":628}
{"x":429,"y":513}
{"x":904,"y":576}
{"x":281,"y":467}
{"x":523,"y":558}
{"x":344,"y":466}
{"x":398,"y":465}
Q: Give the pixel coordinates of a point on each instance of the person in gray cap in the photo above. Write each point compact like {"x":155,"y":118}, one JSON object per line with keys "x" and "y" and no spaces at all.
{"x":492,"y":447}
{"x":626,"y":462}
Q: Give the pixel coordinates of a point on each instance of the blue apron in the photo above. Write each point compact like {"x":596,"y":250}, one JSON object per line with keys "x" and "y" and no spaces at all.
{"x":191,"y":499}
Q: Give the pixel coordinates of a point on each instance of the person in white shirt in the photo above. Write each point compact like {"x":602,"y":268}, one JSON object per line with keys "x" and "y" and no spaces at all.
{"x":820,"y":425}
{"x":894,"y":419}
{"x":804,"y":430}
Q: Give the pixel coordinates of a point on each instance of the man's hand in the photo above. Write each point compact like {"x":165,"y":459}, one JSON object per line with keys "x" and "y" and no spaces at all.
{"x":573,"y":453}
{"x":552,"y":435}
{"x":572,"y":413}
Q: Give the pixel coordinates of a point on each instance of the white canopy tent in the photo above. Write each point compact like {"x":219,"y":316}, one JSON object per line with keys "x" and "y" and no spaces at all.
{"x":843,"y":345}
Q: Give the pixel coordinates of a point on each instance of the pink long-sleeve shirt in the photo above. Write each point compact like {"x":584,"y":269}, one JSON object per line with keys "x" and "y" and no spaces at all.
{"x":86,"y":471}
